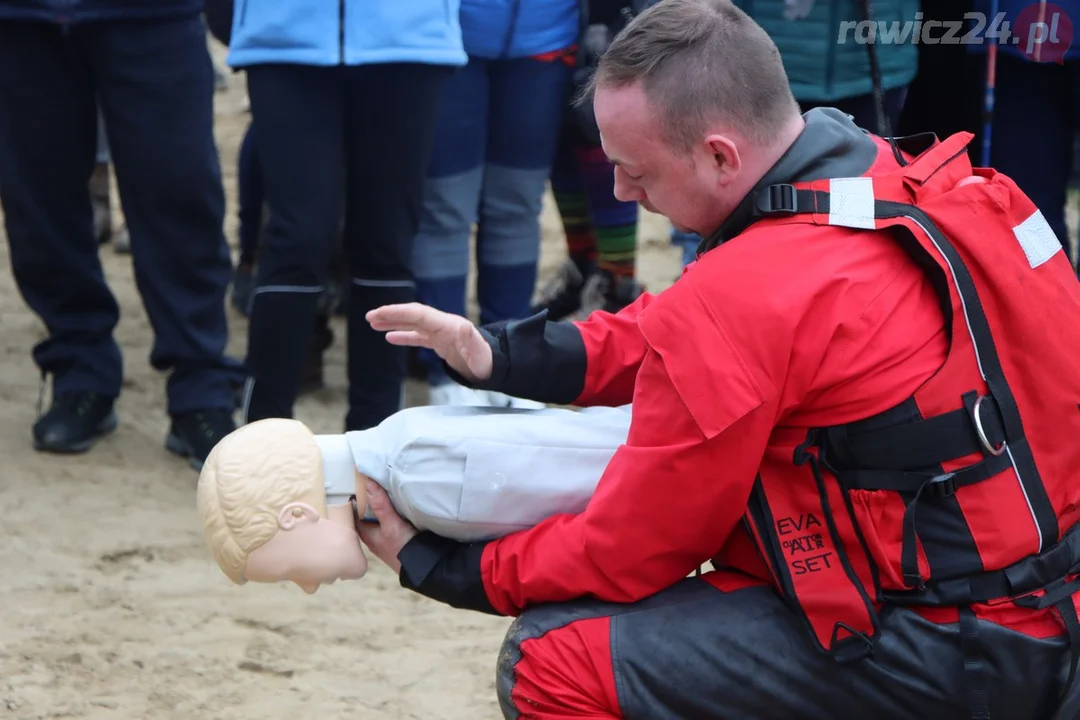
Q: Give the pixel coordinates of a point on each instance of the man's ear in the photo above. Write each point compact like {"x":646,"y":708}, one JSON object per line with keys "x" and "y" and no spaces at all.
{"x":296,"y":513}
{"x":725,"y":156}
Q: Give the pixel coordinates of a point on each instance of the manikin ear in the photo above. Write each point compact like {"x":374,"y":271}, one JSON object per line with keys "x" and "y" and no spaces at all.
{"x":725,"y":157}
{"x":296,"y":513}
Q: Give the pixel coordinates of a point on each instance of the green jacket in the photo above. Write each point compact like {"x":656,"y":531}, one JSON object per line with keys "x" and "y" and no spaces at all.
{"x":823,"y":58}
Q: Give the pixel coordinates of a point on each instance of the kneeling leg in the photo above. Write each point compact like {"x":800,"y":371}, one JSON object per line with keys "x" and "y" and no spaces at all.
{"x":713,"y":648}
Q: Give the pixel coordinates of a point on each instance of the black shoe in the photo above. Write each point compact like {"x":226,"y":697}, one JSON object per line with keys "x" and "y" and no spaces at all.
{"x":74,"y":422}
{"x":193,"y":435}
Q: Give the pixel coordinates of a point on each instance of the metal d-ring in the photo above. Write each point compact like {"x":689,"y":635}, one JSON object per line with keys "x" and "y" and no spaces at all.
{"x":995,"y":451}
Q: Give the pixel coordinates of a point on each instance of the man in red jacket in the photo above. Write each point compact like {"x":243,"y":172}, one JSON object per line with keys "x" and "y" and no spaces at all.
{"x":785,"y":329}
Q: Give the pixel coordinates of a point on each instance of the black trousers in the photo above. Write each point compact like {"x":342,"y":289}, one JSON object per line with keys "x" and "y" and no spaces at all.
{"x":333,"y":138}
{"x":154,"y":82}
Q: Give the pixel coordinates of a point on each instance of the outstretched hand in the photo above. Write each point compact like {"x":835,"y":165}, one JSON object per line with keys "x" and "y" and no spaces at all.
{"x":391,"y":533}
{"x":452,"y":337}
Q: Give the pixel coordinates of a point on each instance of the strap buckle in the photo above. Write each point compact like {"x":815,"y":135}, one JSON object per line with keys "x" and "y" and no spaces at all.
{"x":980,"y":432}
{"x":777,"y":200}
{"x":942,"y":486}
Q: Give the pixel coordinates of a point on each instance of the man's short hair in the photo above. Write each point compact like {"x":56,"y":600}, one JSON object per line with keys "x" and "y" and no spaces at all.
{"x":701,"y":61}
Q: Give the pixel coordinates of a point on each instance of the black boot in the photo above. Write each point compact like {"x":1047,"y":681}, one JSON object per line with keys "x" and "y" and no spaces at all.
{"x":376,"y":368}
{"x":280,"y":334}
{"x":561,"y":296}
{"x":193,"y":435}
{"x":74,"y":422}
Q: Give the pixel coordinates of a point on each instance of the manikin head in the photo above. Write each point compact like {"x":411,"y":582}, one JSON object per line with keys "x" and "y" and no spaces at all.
{"x":694,"y":107}
{"x":263,"y":507}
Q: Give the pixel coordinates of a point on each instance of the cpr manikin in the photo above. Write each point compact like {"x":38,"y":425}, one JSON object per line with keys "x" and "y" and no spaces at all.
{"x":279,"y":503}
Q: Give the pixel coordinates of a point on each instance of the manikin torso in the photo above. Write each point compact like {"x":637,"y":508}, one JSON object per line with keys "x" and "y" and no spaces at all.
{"x":465,"y":473}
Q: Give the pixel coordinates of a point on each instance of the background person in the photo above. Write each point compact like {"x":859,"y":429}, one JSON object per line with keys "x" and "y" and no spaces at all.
{"x":149,"y":70}
{"x":497,"y":131}
{"x":344,"y":99}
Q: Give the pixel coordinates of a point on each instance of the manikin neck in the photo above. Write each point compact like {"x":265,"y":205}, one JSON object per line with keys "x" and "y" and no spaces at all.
{"x":341,"y":514}
{"x":343,"y":509}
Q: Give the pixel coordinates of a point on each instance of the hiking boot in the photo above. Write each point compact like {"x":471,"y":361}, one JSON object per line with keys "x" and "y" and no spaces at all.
{"x":74,"y":422}
{"x":608,"y":292}
{"x":193,"y":435}
{"x":561,"y":296}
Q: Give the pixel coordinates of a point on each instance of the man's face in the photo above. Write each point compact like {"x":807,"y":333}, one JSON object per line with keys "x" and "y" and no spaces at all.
{"x":308,"y":550}
{"x":686,"y":188}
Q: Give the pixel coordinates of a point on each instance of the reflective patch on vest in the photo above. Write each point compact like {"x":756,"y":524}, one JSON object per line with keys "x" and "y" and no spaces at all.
{"x":1038,"y":239}
{"x":851,"y":202}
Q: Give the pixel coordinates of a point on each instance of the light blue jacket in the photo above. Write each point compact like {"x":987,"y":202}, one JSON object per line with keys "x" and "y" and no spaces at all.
{"x":508,"y":29}
{"x":346,"y":32}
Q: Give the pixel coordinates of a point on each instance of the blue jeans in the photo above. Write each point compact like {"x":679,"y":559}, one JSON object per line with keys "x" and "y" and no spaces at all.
{"x":495,"y":143}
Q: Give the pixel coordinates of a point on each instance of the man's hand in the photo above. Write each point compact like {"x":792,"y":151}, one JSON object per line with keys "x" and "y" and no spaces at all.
{"x":452,"y":337}
{"x":391,"y":533}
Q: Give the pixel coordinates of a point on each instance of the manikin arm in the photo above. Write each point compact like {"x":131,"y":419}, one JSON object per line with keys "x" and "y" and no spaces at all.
{"x":470,"y":473}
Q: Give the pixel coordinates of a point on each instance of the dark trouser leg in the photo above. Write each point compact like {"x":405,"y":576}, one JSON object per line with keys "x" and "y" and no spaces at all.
{"x":947,"y":93}
{"x":1033,"y":133}
{"x":47,"y":149}
{"x":392,"y":114}
{"x":452,"y":199}
{"x":696,"y":652}
{"x":250,"y":196}
{"x":528,"y":100}
{"x":156,"y":85}
{"x":299,"y":121}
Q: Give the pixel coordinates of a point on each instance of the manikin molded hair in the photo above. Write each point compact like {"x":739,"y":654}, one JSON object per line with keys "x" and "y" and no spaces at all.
{"x":249,"y":476}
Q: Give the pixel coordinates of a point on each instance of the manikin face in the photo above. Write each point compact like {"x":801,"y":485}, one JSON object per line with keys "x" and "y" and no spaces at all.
{"x":309,"y":550}
{"x":694,"y":190}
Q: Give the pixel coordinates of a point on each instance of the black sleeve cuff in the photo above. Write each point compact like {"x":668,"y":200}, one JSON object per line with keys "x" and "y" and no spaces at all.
{"x":534,"y":359}
{"x":445,"y":570}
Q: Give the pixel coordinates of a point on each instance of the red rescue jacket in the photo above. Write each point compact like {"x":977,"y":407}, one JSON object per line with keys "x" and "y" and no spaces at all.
{"x":813,"y":410}
{"x":968,"y":492}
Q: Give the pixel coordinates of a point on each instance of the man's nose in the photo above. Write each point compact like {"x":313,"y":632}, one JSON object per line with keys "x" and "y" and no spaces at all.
{"x":624,"y":190}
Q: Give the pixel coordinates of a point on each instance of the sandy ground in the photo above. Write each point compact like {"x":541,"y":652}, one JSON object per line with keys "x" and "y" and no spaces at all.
{"x":112,"y":608}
